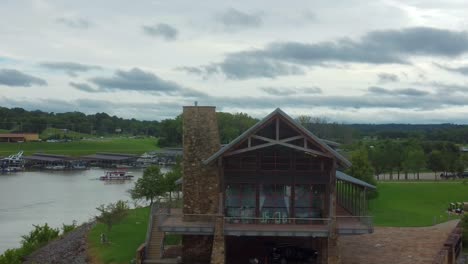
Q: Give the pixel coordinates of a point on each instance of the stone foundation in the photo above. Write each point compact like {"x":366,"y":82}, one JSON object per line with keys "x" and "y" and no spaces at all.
{"x":218,"y":255}
{"x":196,"y":249}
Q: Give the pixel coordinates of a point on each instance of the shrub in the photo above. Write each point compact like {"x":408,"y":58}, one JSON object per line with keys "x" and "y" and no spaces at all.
{"x":68,"y":228}
{"x":36,"y":238}
{"x":12,"y":256}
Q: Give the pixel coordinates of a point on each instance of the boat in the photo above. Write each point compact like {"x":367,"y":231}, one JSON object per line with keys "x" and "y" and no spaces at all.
{"x":122,"y":166}
{"x":116,"y":175}
{"x":79,"y":166}
{"x":55,"y":167}
{"x":12,"y":163}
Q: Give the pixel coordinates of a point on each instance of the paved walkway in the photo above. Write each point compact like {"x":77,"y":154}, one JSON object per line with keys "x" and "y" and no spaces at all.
{"x":390,"y":245}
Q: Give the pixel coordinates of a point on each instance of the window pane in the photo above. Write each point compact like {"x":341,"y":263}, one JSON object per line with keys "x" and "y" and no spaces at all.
{"x":275,"y":203}
{"x":240,"y":201}
{"x":309,"y":201}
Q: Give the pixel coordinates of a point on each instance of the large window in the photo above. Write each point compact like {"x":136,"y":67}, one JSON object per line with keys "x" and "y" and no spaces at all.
{"x":275,"y":201}
{"x":309,"y":201}
{"x":240,"y":202}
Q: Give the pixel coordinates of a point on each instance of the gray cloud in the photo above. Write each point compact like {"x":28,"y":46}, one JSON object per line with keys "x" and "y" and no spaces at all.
{"x":77,"y":23}
{"x":83,"y":87}
{"x":286,"y":91}
{"x":446,"y":89}
{"x":162,"y":30}
{"x":397,"y":92}
{"x":125,"y":109}
{"x":376,"y":47}
{"x":244,"y":68}
{"x":461,"y":70}
{"x":140,"y":81}
{"x":387,"y":77}
{"x":12,"y":77}
{"x":233,"y":19}
{"x":71,"y":68}
{"x":354,"y":106}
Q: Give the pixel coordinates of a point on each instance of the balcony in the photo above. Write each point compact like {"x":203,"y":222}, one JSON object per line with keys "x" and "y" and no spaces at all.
{"x":174,"y":221}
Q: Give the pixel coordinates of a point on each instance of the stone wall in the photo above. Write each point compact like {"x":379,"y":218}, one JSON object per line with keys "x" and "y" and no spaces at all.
{"x":201,"y":183}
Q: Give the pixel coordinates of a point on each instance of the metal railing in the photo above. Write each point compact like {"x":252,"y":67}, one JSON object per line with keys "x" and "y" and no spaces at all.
{"x":153,"y":212}
{"x":163,"y":215}
{"x":276,"y":220}
{"x":355,"y":222}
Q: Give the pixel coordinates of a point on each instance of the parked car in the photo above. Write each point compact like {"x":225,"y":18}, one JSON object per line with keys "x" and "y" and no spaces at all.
{"x":463,"y":174}
{"x":284,"y":253}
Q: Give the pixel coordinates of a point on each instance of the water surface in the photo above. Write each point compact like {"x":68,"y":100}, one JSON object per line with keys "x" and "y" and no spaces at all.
{"x":56,"y":197}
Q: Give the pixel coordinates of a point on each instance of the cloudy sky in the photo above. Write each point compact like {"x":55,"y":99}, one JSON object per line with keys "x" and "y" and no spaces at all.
{"x":348,"y":60}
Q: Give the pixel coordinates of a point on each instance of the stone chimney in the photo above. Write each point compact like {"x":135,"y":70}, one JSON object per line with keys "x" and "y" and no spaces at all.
{"x":200,"y":140}
{"x":201,"y":184}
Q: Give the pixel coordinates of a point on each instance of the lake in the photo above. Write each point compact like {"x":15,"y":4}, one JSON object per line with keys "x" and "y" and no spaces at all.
{"x":53,"y":197}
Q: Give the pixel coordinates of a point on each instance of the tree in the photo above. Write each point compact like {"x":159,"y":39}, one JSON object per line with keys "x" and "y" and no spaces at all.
{"x":361,"y":168}
{"x":150,"y":186}
{"x":171,"y":177}
{"x":378,"y":158}
{"x":414,"y":161}
{"x":435,"y":162}
{"x":112,"y":213}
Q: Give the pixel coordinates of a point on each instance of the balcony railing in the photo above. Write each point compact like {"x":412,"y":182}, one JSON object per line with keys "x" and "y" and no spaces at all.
{"x":354,"y":224}
{"x":276,"y":220}
{"x":176,"y":221}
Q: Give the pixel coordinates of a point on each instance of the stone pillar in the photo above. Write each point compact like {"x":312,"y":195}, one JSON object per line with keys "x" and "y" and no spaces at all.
{"x":218,"y":252}
{"x":201,"y":183}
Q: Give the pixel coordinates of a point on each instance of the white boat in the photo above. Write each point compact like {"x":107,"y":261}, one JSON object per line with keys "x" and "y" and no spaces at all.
{"x":55,"y":167}
{"x":115,"y":176}
{"x":123,"y":166}
{"x":12,"y":163}
{"x":79,"y":166}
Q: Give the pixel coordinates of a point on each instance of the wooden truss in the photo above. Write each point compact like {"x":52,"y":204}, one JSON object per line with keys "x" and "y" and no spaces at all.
{"x":286,"y":142}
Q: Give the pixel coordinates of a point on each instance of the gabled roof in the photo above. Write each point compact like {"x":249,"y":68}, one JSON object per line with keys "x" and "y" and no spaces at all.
{"x":278,"y":112}
{"x":345,"y":177}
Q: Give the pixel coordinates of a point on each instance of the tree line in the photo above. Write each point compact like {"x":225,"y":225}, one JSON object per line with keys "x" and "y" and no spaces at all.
{"x":399,"y":158}
{"x":169,"y":131}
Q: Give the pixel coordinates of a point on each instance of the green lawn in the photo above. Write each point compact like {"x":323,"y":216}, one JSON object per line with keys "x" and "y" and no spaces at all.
{"x":124,"y":238}
{"x":82,"y":147}
{"x":415,"y":204}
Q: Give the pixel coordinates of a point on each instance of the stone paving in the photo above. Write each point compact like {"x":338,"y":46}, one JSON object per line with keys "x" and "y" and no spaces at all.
{"x":391,"y":245}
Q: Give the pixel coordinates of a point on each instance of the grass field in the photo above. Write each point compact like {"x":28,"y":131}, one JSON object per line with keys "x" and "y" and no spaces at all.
{"x":415,"y":204}
{"x":82,"y":147}
{"x":124,"y":238}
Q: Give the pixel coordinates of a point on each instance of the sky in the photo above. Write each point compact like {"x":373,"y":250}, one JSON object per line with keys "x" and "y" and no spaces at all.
{"x":351,"y":61}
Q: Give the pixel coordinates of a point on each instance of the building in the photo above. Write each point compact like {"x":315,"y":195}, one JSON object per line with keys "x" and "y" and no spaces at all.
{"x":277,"y":183}
{"x":19,"y":137}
